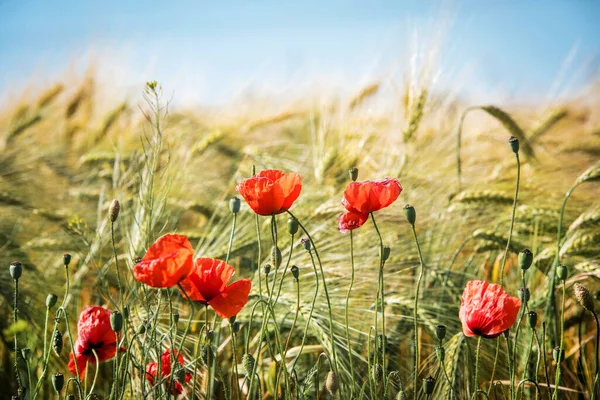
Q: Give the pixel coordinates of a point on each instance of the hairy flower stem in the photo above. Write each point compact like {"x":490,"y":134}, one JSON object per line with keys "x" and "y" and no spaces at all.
{"x":512,"y":220}
{"x":231,"y":238}
{"x":381,"y":300}
{"x":346,"y":314}
{"x":331,"y":334}
{"x":95,"y":373}
{"x":234,"y":367}
{"x":15,"y":319}
{"x":544,"y":355}
{"x":510,"y":364}
{"x":262,"y":329}
{"x":196,"y":357}
{"x":494,"y":366}
{"x":597,"y":374}
{"x":476,"y":382}
{"x":562,"y":339}
{"x":415,"y":315}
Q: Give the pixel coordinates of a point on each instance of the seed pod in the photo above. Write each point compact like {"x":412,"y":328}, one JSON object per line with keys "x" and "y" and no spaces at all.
{"x":440,"y":352}
{"x":410,"y":213}
{"x":116,"y":321}
{"x":525,"y":259}
{"x":584,"y":297}
{"x":175,"y":317}
{"x":234,"y":205}
{"x":429,"y":385}
{"x":66,"y":259}
{"x":353,"y":173}
{"x":51,"y":300}
{"x":558,"y":354}
{"x":306,"y":243}
{"x":524,"y":295}
{"x":295,"y":272}
{"x":440,"y":332}
{"x":532,"y":319}
{"x":16,"y":270}
{"x":292,"y":225}
{"x":331,"y":383}
{"x":248,"y":362}
{"x":276,"y":257}
{"x":58,"y":381}
{"x":562,"y":272}
{"x":58,"y":342}
{"x":113,"y":210}
{"x":385,"y":253}
{"x":267,"y":269}
{"x":514,"y":144}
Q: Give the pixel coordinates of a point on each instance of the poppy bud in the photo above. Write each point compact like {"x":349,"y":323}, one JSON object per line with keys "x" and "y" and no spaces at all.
{"x":179,"y":374}
{"x":142,"y":329}
{"x":175,"y":317}
{"x":353,"y":173}
{"x":295,"y":272}
{"x":113,"y":210}
{"x":276,"y":257}
{"x":558,"y":354}
{"x":235,"y":327}
{"x":234,"y":205}
{"x":440,"y":352}
{"x":377,"y":372}
{"x":584,"y":297}
{"x":58,"y":342}
{"x":401,"y":395}
{"x":331,"y":383}
{"x":51,"y":300}
{"x":410,"y":214}
{"x":267,"y":269}
{"x":58,"y":381}
{"x":205,"y":354}
{"x":16,"y":270}
{"x":26,"y":353}
{"x":126,"y":311}
{"x":532,"y":318}
{"x":429,"y":385}
{"x":306,"y":243}
{"x":116,"y":321}
{"x":385,"y":253}
{"x":524,"y":295}
{"x":514,"y":144}
{"x":292,"y":226}
{"x":66,"y":259}
{"x":562,"y":272}
{"x":248,"y":362}
{"x":525,"y":259}
{"x":440,"y":332}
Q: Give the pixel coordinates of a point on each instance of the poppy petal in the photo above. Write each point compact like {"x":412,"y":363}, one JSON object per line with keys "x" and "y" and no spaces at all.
{"x":350,"y":220}
{"x":208,"y":279}
{"x":81,"y":364}
{"x":231,"y":301}
{"x":271,"y":174}
{"x":291,"y":185}
{"x":167,"y":262}
{"x":263,"y":195}
{"x":370,"y":196}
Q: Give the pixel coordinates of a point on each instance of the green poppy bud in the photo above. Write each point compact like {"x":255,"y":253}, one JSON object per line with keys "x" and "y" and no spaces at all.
{"x":51,"y":300}
{"x":440,"y":332}
{"x":57,"y":345}
{"x":410,"y":214}
{"x":66,"y":259}
{"x":525,"y":259}
{"x":514,"y":144}
{"x":385,"y":253}
{"x":16,"y":270}
{"x":267,"y":269}
{"x":175,"y":317}
{"x":248,"y":362}
{"x":234,"y":205}
{"x":58,"y":381}
{"x":428,"y":385}
{"x":558,"y":354}
{"x":306,"y":243}
{"x":276,"y":257}
{"x":295,"y":272}
{"x":532,"y":319}
{"x":524,"y":295}
{"x":292,"y":225}
{"x":113,"y":210}
{"x":116,"y":321}
{"x":331,"y":383}
{"x":353,"y":173}
{"x":562,"y":272}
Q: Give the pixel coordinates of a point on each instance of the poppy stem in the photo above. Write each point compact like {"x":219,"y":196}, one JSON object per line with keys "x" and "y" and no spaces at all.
{"x":231,"y":238}
{"x":331,"y":334}
{"x":346,"y":312}
{"x":597,"y":374}
{"x":562,"y":339}
{"x":512,"y":220}
{"x":476,"y":382}
{"x":381,"y":301}
{"x":15,"y":319}
{"x":494,"y":366}
{"x":544,"y":357}
{"x":415,"y":313}
{"x":95,"y":372}
{"x":234,"y":367}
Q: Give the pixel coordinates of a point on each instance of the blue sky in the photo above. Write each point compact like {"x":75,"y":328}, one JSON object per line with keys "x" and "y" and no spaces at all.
{"x":211,"y":51}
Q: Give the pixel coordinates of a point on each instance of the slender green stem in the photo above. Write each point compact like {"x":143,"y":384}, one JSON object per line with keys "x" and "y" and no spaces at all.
{"x":494,"y":365}
{"x":346,"y":312}
{"x":380,"y":289}
{"x":544,"y":355}
{"x":476,"y":382}
{"x":15,"y":319}
{"x":95,"y":373}
{"x":415,"y":315}
{"x":114,"y":247}
{"x":562,"y":339}
{"x":597,"y":374}
{"x":512,"y":220}
{"x":510,"y":363}
{"x":262,"y":329}
{"x":231,"y":238}
{"x":45,"y":332}
{"x":234,"y":367}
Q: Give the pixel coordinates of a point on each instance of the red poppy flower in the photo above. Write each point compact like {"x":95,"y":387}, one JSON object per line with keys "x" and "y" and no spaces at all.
{"x":165,"y":366}
{"x":207,"y":284}
{"x":94,"y":333}
{"x":270,"y":191}
{"x":487,"y":310}
{"x":370,"y":196}
{"x":166,"y":263}
{"x":350,"y":220}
